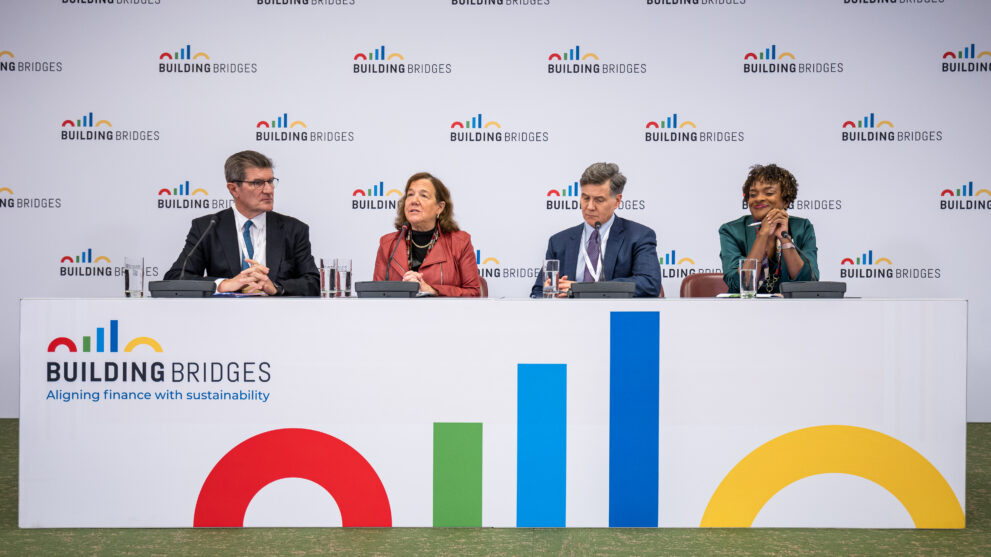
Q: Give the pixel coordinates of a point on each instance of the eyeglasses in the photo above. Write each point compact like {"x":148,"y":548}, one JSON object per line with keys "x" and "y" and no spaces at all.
{"x":258,"y":184}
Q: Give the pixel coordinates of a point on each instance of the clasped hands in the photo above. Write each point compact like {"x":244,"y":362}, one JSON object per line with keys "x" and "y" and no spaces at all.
{"x":413,"y":276}
{"x":252,"y":280}
{"x":774,"y":224}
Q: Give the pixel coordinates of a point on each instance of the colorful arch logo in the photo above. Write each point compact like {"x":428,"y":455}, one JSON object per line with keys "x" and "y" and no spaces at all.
{"x":86,"y":256}
{"x":182,"y":54}
{"x":475,"y":122}
{"x":280,"y":122}
{"x":867,"y":122}
{"x":671,"y":259}
{"x":376,"y":191}
{"x":378,"y":54}
{"x":572,"y":190}
{"x":670,"y":122}
{"x":6,"y":189}
{"x":770,"y":53}
{"x":865,"y":259}
{"x":834,"y":449}
{"x":967,"y":190}
{"x":572,"y":54}
{"x":182,"y":189}
{"x":966,"y":52}
{"x":85,"y":122}
{"x":486,"y":261}
{"x":292,"y":453}
{"x":104,"y":342}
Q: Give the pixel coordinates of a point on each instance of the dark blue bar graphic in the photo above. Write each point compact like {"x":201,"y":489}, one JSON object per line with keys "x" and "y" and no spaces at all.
{"x":89,"y":255}
{"x":113,"y":335}
{"x":188,"y":53}
{"x":541,"y":446}
{"x":634,"y":415}
{"x":970,"y":188}
{"x":971,"y":50}
{"x":99,"y":339}
{"x":774,"y":52}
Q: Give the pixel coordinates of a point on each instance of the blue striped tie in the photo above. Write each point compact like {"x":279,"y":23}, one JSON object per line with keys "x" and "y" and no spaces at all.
{"x":247,"y":244}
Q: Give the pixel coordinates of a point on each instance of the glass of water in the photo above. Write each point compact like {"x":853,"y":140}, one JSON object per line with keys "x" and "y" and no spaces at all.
{"x":134,"y":277}
{"x":748,"y":277}
{"x":335,"y":278}
{"x":552,"y":267}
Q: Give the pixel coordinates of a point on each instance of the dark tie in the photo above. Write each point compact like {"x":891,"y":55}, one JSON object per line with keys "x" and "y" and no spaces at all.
{"x":247,"y":244}
{"x":592,"y":249}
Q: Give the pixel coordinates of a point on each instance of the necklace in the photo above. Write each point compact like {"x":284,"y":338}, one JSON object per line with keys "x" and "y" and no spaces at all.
{"x":428,"y":244}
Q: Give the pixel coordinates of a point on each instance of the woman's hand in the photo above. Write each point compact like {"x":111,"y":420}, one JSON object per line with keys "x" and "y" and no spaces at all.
{"x":413,"y":276}
{"x":774,"y":224}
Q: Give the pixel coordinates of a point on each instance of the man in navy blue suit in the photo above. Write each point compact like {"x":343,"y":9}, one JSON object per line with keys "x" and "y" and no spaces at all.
{"x":627,"y":250}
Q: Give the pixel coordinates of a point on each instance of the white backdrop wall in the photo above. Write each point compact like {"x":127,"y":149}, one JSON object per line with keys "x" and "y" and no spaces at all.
{"x":836,"y":61}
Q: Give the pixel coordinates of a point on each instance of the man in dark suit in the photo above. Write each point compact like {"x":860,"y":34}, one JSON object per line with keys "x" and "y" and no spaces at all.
{"x":250,"y":248}
{"x":628,"y":249}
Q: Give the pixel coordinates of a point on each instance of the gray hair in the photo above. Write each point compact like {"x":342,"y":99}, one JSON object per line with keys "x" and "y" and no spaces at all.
{"x":600,"y":172}
{"x":236,"y":165}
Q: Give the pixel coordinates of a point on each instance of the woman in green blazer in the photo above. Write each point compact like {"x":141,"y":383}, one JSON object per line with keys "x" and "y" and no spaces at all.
{"x":769,"y":190}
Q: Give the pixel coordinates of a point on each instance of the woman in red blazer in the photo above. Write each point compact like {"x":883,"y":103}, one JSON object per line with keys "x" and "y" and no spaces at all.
{"x":428,"y":248}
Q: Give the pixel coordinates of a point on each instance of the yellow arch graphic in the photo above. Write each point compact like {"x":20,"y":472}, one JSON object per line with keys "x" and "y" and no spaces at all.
{"x":590,"y":55}
{"x":883,"y":122}
{"x":979,"y":192}
{"x":199,"y":54}
{"x":390,"y":192}
{"x":11,"y":54}
{"x":11,"y":192}
{"x":300,"y":122}
{"x":198,"y":190}
{"x":493,"y":123}
{"x":684,"y":259}
{"x":107,"y":122}
{"x":983,"y":53}
{"x":883,"y":260}
{"x":788,"y":54}
{"x":834,"y":449}
{"x":147,"y":341}
{"x":103,"y":257}
{"x":395,"y":55}
{"x":490,"y":260}
{"x":687,"y":123}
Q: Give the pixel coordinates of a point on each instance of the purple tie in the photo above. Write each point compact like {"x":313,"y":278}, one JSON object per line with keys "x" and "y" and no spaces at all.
{"x":592,"y":249}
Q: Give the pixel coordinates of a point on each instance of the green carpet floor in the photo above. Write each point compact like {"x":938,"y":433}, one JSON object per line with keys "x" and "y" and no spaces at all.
{"x":974,"y":540}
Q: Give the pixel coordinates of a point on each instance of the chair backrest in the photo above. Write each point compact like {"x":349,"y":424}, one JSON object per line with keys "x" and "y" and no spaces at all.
{"x":484,"y":288}
{"x":703,"y":285}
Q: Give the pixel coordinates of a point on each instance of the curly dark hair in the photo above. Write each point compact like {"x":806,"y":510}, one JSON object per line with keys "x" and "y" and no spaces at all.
{"x":772,"y":174}
{"x":445,"y":221}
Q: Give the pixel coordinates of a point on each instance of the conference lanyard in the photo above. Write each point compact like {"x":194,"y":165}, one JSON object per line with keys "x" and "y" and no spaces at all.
{"x":602,"y":252}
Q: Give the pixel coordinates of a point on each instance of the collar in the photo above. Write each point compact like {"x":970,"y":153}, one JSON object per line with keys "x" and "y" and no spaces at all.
{"x":587,"y":229}
{"x":239,"y":220}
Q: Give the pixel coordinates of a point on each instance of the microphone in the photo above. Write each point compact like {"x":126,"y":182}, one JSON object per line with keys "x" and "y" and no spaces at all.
{"x":395,"y":246}
{"x":213,"y":221}
{"x":602,"y":271}
{"x":801,"y":253}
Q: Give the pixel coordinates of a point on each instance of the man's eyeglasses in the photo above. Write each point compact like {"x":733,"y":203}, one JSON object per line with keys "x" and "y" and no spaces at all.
{"x":258,"y":184}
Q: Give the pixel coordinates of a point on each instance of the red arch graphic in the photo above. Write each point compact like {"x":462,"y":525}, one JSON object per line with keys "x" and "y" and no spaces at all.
{"x":949,"y":55}
{"x":849,"y":124}
{"x":165,"y":55}
{"x":750,"y":55}
{"x":69,"y":122}
{"x":457,"y":125}
{"x":62,"y":341}
{"x":360,"y":56}
{"x":652,"y":124}
{"x":357,"y":191}
{"x":946,"y":192}
{"x":66,"y":258}
{"x":847,"y":260}
{"x":164,"y":191}
{"x":262,"y":123}
{"x":554,"y":56}
{"x":292,"y":453}
{"x":553,"y":192}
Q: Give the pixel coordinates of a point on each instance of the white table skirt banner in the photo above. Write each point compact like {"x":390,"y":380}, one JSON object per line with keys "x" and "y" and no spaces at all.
{"x":505,"y":413}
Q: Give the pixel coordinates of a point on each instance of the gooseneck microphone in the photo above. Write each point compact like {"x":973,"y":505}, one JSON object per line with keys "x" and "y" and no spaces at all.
{"x":801,"y":253}
{"x":182,"y":273}
{"x":602,"y":271}
{"x":395,"y":246}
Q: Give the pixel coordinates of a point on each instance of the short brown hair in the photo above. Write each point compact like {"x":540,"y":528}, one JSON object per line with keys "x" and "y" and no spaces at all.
{"x":772,"y":174}
{"x":236,"y":165}
{"x":445,"y":221}
{"x":600,"y":173}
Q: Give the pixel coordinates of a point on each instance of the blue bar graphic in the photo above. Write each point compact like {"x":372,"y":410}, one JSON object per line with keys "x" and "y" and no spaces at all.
{"x":188,"y":53}
{"x":971,"y":50}
{"x":541,"y":427}
{"x":90,"y":124}
{"x":99,"y":339}
{"x":774,"y":52}
{"x":578,"y":54}
{"x":478,"y":121}
{"x":113,"y":335}
{"x":970,"y":188}
{"x":634,"y":416}
{"x":872,"y":119}
{"x":89,"y":255}
{"x":870,"y":257}
{"x":478,"y":257}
